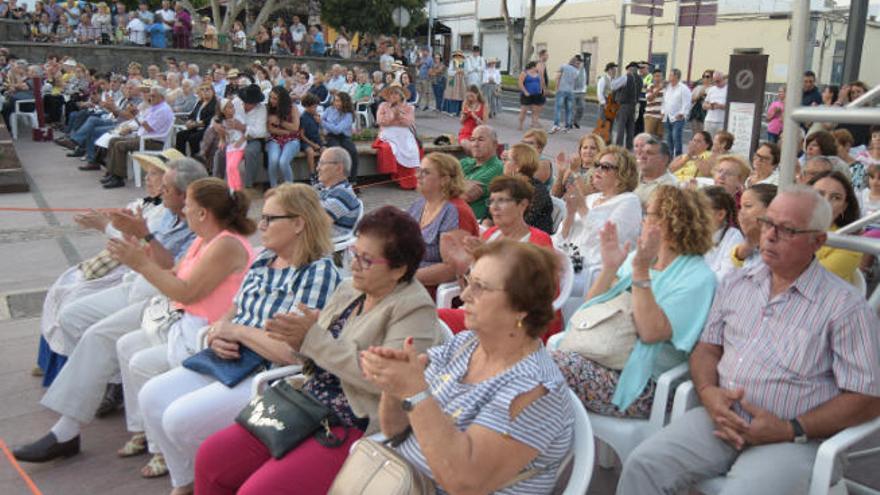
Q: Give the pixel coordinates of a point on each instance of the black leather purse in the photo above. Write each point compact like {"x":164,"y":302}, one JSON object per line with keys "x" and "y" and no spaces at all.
{"x":284,"y":416}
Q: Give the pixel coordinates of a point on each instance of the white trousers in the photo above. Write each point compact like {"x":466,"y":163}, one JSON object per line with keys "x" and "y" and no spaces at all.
{"x":713,"y":127}
{"x":70,"y":287}
{"x":181,"y":408}
{"x":139,"y":360}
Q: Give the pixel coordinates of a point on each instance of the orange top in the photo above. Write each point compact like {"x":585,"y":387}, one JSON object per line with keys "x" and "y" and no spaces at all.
{"x":217,"y":303}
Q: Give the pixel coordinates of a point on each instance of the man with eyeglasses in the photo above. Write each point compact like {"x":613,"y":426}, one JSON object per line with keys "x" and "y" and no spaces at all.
{"x":336,"y":194}
{"x":652,"y":159}
{"x":814,"y":167}
{"x":787,"y":357}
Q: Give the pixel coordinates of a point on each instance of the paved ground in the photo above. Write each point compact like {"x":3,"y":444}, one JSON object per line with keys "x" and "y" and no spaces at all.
{"x":37,"y":246}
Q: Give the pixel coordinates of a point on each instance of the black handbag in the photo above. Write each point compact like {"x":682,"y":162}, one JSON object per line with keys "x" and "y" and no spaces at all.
{"x":229,"y":372}
{"x":284,"y":416}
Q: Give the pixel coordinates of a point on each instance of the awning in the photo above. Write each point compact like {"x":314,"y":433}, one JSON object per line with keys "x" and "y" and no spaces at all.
{"x":438,"y":28}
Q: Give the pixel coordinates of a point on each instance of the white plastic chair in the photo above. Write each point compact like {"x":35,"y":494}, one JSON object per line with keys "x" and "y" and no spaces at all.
{"x":826,"y":457}
{"x":19,"y":113}
{"x":558,"y":212}
{"x":584,"y":450}
{"x":623,"y":435}
{"x":135,"y":167}
{"x":446,"y":292}
{"x":362,"y":111}
{"x":860,"y":283}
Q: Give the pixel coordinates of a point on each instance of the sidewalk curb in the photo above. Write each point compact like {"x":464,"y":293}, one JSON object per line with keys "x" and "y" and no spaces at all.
{"x":22,"y":304}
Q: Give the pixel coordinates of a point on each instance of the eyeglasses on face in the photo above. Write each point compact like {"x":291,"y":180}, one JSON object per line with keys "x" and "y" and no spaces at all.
{"x":268,"y":219}
{"x":607,"y":166}
{"x":364,"y":261}
{"x":781,"y":230}
{"x":476,"y":287}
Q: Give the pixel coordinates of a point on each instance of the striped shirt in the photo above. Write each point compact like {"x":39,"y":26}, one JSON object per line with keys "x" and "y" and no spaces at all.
{"x":342,"y":205}
{"x":266,"y":290}
{"x":798,"y":350}
{"x":546,"y":425}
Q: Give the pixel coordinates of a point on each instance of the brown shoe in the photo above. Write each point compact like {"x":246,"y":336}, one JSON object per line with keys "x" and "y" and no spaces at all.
{"x":89,"y":166}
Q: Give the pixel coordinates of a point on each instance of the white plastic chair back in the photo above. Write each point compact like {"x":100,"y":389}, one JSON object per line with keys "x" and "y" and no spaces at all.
{"x":18,"y":112}
{"x":135,"y":167}
{"x":566,"y":280}
{"x":584,"y":450}
{"x":860,"y":283}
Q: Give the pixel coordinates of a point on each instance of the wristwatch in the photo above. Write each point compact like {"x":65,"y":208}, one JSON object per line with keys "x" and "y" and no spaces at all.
{"x":410,"y":403}
{"x":642,"y":284}
{"x":149,"y":237}
{"x":800,"y":436}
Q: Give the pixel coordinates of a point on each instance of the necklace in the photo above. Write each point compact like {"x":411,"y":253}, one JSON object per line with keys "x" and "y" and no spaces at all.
{"x":428,"y":215}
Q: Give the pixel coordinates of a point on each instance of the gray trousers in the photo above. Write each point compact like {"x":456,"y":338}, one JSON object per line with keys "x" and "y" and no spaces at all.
{"x":686,"y":452}
{"x":625,"y":123}
{"x":579,"y":107}
{"x":253,"y":161}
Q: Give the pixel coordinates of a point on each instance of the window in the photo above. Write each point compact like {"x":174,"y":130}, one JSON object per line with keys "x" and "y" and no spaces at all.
{"x":465,"y":41}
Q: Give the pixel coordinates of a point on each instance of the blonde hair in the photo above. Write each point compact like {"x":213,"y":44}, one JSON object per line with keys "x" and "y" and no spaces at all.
{"x":447,"y":165}
{"x":525,"y":158}
{"x":539,"y":135}
{"x":597,"y":140}
{"x":302,"y":201}
{"x":689,"y":224}
{"x":627,"y":170}
{"x":741,"y":164}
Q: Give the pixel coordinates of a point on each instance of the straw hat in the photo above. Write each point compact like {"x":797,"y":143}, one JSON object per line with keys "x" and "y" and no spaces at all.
{"x":232,"y":74}
{"x":493,"y":60}
{"x":458,"y":53}
{"x":69,"y":63}
{"x":395,"y":86}
{"x":159,"y":161}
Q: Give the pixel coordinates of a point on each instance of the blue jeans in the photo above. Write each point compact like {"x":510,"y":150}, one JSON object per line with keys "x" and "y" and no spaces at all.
{"x":438,"y":88}
{"x":280,"y":160}
{"x":89,"y":132}
{"x":673,"y":130}
{"x":564,"y":101}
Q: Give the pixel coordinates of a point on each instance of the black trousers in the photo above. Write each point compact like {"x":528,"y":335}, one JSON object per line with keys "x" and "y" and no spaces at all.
{"x":625,"y":122}
{"x":193,"y":137}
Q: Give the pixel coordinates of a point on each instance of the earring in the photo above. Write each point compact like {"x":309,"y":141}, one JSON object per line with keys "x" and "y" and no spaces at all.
{"x":519,"y":323}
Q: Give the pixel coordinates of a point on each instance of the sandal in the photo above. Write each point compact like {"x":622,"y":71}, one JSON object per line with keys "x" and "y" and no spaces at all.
{"x":155,"y":468}
{"x":136,"y":445}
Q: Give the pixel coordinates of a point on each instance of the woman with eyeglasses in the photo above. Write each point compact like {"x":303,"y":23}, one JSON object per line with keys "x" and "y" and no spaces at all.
{"x":615,"y":176}
{"x":836,"y":188}
{"x":765,"y":165}
{"x":671,"y":289}
{"x":440,"y":210}
{"x":382,"y":305}
{"x":698,"y":96}
{"x":178,"y":409}
{"x":489,"y":404}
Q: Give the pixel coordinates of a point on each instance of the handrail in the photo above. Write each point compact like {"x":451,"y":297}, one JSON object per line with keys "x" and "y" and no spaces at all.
{"x":858,"y":224}
{"x":854,"y":243}
{"x":838,"y":115}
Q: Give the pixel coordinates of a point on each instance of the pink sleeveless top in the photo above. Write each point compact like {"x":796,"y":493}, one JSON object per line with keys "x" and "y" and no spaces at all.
{"x":217,"y":303}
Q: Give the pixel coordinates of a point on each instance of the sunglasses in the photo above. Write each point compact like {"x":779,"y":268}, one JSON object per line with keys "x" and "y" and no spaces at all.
{"x":606,"y":166}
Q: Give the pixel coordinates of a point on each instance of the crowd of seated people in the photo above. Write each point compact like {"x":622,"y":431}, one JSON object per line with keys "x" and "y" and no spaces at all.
{"x":237,"y":122}
{"x":717,"y":267}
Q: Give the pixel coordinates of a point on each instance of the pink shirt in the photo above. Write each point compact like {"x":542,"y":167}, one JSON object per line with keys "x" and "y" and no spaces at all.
{"x":217,"y":303}
{"x":774,"y":125}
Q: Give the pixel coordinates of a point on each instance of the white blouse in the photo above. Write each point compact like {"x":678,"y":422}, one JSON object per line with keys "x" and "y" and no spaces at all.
{"x":718,"y":258}
{"x":624,"y":210}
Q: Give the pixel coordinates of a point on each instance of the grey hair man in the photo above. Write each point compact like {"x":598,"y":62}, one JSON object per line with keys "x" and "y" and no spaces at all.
{"x":814,"y":167}
{"x":336,"y":194}
{"x":103,"y":317}
{"x":787,"y":357}
{"x":652,"y":158}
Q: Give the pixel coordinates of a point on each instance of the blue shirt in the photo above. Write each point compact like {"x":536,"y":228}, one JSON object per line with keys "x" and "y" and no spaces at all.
{"x":342,"y":205}
{"x":426,"y":65}
{"x":336,"y":122}
{"x":174,"y":234}
{"x":318,"y":46}
{"x":310,"y":128}
{"x":157,"y":36}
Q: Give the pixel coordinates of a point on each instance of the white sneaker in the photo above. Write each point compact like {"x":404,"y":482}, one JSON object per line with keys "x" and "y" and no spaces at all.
{"x":554,"y":129}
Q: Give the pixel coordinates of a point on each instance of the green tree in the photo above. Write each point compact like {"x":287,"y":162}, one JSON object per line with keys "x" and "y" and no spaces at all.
{"x":370,"y":16}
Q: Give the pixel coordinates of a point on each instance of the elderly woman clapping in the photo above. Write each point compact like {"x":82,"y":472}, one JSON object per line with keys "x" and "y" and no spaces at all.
{"x":670,"y":289}
{"x":489,"y":404}
{"x":382,"y":305}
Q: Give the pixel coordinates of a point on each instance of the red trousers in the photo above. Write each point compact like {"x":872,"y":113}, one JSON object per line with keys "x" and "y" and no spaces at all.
{"x":233,"y":461}
{"x":387,"y":164}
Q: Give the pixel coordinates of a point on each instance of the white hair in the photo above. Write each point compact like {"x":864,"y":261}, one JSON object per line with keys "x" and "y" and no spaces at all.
{"x":821,"y":215}
{"x":340,"y":154}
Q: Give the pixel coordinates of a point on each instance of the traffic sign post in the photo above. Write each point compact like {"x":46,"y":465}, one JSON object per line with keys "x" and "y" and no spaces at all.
{"x":702,"y":13}
{"x":653,"y":8}
{"x":747,"y":75}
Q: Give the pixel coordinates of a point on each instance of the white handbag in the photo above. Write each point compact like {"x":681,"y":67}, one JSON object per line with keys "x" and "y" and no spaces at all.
{"x":159,"y":315}
{"x":604,"y":332}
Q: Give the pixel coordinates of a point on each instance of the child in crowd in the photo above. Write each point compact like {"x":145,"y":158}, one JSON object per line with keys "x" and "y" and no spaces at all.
{"x":310,"y":127}
{"x":229,"y":128}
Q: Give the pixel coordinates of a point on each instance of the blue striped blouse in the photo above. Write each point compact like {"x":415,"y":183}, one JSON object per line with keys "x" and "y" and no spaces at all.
{"x":266,"y":290}
{"x":546,"y":425}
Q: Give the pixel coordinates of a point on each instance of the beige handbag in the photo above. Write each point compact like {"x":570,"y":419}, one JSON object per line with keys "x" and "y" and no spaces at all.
{"x":604,"y":332}
{"x":373,"y":468}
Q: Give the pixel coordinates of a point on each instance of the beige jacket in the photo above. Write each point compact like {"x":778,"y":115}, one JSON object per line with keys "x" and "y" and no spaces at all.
{"x":407,"y":312}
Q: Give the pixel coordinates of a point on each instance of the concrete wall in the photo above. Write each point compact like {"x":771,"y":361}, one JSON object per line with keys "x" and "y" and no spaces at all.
{"x":116,"y":58}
